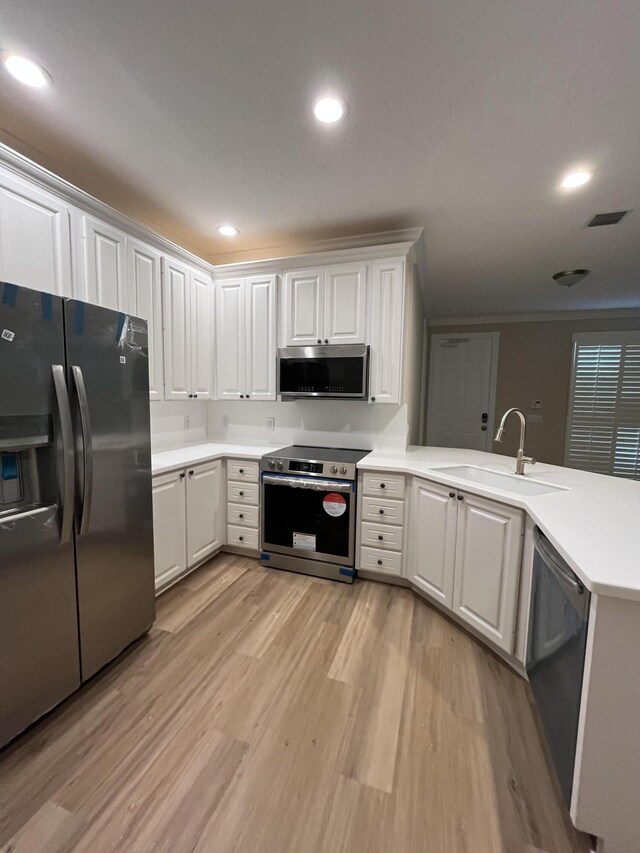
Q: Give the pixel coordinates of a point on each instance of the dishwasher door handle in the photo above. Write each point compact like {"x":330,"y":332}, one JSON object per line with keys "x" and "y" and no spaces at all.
{"x":557,"y":569}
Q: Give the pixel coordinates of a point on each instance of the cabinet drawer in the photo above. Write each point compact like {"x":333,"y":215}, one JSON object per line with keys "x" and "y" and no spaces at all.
{"x":383,"y":536}
{"x":382,"y":510}
{"x":391,"y":486}
{"x":242,"y":471}
{"x":380,"y":561}
{"x":243,"y":493}
{"x":246,"y":516}
{"x":242,"y":537}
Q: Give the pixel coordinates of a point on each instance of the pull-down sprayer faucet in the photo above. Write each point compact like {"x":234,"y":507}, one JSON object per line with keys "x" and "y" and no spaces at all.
{"x":520,"y":458}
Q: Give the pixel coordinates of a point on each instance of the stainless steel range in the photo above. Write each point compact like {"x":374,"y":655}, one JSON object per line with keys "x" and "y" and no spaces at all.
{"x":308,"y":510}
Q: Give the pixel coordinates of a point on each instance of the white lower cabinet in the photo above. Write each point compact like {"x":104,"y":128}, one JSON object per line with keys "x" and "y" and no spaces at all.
{"x":169,"y":528}
{"x":465,"y":552}
{"x":188,"y":519}
{"x":243,"y":504}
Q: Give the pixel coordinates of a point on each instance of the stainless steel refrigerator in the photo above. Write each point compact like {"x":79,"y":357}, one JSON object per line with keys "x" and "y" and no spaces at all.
{"x":76,"y":523}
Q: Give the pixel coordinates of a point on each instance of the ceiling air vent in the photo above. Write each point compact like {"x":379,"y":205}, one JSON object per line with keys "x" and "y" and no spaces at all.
{"x":607,"y":218}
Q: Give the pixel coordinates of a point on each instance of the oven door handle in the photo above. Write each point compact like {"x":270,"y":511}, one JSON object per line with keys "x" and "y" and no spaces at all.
{"x":303,"y":483}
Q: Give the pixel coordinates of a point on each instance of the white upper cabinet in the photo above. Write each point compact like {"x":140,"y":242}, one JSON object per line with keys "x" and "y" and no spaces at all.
{"x":105,"y":269}
{"x":35,"y":244}
{"x":246,"y":338}
{"x":177,"y":345}
{"x":144,"y":281}
{"x":304,"y":300}
{"x":385,"y":330}
{"x":201,"y":296}
{"x":345,"y":304}
{"x":260,"y":344}
{"x":230,"y":338}
{"x":487,"y":567}
{"x":187,"y":306}
{"x":326,"y":305}
{"x":433,"y":539}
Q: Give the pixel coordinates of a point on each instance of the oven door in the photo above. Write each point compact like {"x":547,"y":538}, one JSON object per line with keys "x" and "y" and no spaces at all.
{"x":309,"y":518}
{"x":325,"y":371}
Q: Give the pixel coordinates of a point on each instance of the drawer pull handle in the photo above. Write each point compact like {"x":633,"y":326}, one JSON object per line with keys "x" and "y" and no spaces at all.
{"x":240,"y":538}
{"x":241,"y":470}
{"x":379,"y":562}
{"x":382,"y":485}
{"x":381,"y":538}
{"x":241,"y":515}
{"x":381,"y":511}
{"x":241,"y":494}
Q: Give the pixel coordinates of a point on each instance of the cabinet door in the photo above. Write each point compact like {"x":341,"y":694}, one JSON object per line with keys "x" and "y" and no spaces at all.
{"x":169,"y":530}
{"x":345,"y":304}
{"x":35,"y":245}
{"x":230,"y":339}
{"x":204,"y":511}
{"x":201,"y":296}
{"x":304,"y":295}
{"x":487,"y":567}
{"x":260,"y":302}
{"x":144,"y":280}
{"x":176,"y":315}
{"x":104,"y":264}
{"x":432,"y":539}
{"x":385,"y":330}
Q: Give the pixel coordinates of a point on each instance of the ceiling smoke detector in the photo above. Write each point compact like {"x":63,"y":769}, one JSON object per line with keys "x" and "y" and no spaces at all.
{"x":567,"y":278}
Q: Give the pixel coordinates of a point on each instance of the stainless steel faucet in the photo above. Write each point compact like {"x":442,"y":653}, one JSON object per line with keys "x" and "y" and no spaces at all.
{"x":520,"y":458}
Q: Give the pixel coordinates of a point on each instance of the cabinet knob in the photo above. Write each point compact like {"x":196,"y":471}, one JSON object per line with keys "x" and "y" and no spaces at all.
{"x":241,"y":494}
{"x":241,"y":538}
{"x":319,"y":341}
{"x":195,"y":395}
{"x":191,"y":395}
{"x":381,"y":511}
{"x":379,"y":562}
{"x":182,"y":475}
{"x":452,"y":494}
{"x":382,"y":485}
{"x":241,"y":470}
{"x":240,"y":515}
{"x":191,"y":473}
{"x":373,"y":399}
{"x":242,"y":396}
{"x":381,"y":538}
{"x":460,"y":497}
{"x":326,"y":340}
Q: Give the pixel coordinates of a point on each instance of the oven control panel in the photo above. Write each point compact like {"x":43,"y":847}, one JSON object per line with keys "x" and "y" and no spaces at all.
{"x":306,"y":467}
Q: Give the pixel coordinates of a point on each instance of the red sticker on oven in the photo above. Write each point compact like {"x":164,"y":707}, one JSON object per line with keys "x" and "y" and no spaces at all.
{"x":335,"y":504}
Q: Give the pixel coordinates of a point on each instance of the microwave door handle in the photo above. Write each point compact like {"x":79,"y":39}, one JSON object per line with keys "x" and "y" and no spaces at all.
{"x":303,"y":483}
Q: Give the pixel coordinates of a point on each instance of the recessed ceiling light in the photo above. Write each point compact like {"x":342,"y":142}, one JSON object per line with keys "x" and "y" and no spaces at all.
{"x":26,"y":70}
{"x":576,"y":178}
{"x":328,"y":110}
{"x":227,"y":230}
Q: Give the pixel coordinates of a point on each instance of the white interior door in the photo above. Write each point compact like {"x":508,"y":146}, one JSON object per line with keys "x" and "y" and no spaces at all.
{"x":462,"y":390}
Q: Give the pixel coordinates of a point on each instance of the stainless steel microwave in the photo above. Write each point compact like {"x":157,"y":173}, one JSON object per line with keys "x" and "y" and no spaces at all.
{"x":337,"y":371}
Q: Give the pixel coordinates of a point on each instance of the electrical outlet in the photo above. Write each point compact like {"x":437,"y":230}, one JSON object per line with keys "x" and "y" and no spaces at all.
{"x":225,"y":420}
{"x":187,"y":421}
{"x":271,"y":423}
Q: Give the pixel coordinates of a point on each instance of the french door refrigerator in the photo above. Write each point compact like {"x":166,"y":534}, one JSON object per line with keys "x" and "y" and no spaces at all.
{"x":76,"y":523}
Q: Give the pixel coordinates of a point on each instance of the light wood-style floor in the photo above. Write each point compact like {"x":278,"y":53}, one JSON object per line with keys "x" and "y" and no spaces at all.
{"x":269,"y":712}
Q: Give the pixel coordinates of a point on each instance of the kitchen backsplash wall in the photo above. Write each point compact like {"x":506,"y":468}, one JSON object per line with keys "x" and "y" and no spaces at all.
{"x":325,"y":423}
{"x":174,"y":424}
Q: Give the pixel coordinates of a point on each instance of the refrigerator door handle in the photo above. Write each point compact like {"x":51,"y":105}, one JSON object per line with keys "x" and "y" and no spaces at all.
{"x":87,"y":449}
{"x":66,"y":436}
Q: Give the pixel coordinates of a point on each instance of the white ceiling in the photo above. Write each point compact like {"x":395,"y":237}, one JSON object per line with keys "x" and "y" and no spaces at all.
{"x":462,"y":115}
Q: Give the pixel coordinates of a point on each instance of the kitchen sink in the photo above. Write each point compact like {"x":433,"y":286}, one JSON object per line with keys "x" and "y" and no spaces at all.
{"x":518,"y":485}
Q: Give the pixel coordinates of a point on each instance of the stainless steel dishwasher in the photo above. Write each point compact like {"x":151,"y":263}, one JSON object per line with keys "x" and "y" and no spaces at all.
{"x":558,"y":621}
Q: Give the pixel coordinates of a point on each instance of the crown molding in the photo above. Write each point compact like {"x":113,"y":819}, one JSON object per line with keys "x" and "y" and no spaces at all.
{"x":22,"y":167}
{"x":540,"y":317}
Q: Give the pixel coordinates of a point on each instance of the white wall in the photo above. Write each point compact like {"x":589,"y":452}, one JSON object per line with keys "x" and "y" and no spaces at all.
{"x":168,"y":427}
{"x":325,"y":423}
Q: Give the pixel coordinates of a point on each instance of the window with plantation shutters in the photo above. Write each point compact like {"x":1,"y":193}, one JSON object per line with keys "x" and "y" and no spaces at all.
{"x":603,"y":423}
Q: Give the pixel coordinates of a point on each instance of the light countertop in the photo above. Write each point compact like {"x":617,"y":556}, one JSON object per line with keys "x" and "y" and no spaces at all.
{"x":594,"y":524}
